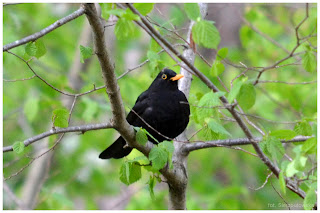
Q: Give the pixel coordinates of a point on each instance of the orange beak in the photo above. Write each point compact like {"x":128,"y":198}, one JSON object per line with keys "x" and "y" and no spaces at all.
{"x":177,"y":77}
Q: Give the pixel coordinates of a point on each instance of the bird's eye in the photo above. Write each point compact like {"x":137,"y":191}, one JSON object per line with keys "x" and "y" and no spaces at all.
{"x":164,"y":76}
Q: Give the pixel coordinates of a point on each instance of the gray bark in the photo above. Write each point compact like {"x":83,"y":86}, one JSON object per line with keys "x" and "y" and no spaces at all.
{"x":177,"y":191}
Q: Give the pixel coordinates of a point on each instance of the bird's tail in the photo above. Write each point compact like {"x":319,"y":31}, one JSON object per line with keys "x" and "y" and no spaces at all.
{"x":116,"y":150}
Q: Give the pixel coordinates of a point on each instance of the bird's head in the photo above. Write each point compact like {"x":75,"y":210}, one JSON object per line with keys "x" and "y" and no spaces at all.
{"x":167,"y":79}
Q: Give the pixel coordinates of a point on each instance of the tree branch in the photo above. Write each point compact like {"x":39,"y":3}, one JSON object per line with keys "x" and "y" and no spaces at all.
{"x":284,"y":82}
{"x":45,"y":31}
{"x":233,"y":142}
{"x":118,"y":120}
{"x":83,"y":129}
{"x":291,"y":54}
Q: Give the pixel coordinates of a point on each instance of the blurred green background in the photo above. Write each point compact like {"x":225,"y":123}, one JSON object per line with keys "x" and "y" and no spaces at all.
{"x":219,"y":178}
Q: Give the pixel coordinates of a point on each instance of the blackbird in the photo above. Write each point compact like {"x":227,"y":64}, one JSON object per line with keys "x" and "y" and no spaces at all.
{"x":162,"y":106}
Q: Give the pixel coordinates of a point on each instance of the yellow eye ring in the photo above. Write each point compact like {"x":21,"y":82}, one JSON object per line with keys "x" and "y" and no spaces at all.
{"x":164,"y":76}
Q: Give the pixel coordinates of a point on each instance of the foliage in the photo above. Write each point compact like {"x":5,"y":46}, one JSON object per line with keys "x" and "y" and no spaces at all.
{"x":219,"y":178}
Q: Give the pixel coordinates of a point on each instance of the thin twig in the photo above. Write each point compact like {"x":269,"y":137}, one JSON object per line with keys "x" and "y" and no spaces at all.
{"x":8,"y":4}
{"x":143,"y":63}
{"x":284,"y":82}
{"x":83,"y":129}
{"x":265,"y":182}
{"x":291,"y":54}
{"x":271,"y":121}
{"x":27,"y":63}
{"x":280,"y":104}
{"x":45,"y":31}
{"x":264,"y":35}
{"x":56,"y":89}
{"x":24,"y":79}
{"x":35,"y":158}
{"x":279,"y":194}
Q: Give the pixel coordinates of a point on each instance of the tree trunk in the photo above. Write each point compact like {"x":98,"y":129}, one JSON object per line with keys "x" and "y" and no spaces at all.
{"x":177,"y":190}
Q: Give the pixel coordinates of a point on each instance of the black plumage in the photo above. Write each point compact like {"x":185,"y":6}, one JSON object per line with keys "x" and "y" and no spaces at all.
{"x":163,"y":106}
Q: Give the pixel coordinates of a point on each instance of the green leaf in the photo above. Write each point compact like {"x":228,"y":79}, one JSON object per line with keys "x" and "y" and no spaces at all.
{"x":142,"y":160}
{"x":31,"y":108}
{"x":222,"y":53}
{"x":124,"y":173}
{"x":284,"y":164}
{"x":41,"y":49}
{"x":31,"y":48}
{"x":282,"y":182}
{"x":300,"y":162}
{"x":156,"y":64}
{"x":141,"y":136}
{"x":85,"y":52}
{"x":151,"y":184}
{"x":105,"y":7}
{"x":116,"y":12}
{"x":205,"y":107}
{"x":158,"y":157}
{"x":144,"y":8}
{"x":204,"y":33}
{"x":124,"y":29}
{"x":303,"y":128}
{"x":168,"y":146}
{"x":60,"y":117}
{"x":263,"y":146}
{"x":154,"y":46}
{"x":246,"y":96}
{"x":246,"y":35}
{"x":130,"y":172}
{"x":310,"y":146}
{"x":274,"y":147}
{"x":310,"y":199}
{"x":135,"y":172}
{"x":36,"y":48}
{"x":285,"y":134}
{"x":130,"y":16}
{"x":217,"y":68}
{"x":192,"y":10}
{"x":291,"y":170}
{"x":176,"y":15}
{"x":18,"y":147}
{"x":207,"y":134}
{"x":151,"y":136}
{"x":217,"y":128}
{"x":309,"y":61}
{"x":235,"y":90}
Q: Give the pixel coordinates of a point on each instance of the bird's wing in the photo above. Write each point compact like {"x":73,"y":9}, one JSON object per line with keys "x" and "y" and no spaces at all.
{"x":141,"y":105}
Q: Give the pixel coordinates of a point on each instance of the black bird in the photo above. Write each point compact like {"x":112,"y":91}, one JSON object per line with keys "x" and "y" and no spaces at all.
{"x":163,"y":106}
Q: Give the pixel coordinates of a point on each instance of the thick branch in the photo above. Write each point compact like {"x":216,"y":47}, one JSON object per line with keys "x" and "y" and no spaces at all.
{"x":45,"y":31}
{"x":83,"y":129}
{"x":233,"y":142}
{"x":118,"y":121}
{"x":107,"y":67}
